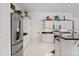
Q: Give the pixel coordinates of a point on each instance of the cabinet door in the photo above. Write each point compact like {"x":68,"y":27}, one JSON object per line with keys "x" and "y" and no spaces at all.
{"x":48,"y":24}
{"x":66,"y":25}
{"x":48,"y":38}
{"x":66,"y":47}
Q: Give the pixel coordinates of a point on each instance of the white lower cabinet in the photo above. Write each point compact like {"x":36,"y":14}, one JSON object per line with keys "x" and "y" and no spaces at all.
{"x":64,"y":48}
{"x":48,"y":38}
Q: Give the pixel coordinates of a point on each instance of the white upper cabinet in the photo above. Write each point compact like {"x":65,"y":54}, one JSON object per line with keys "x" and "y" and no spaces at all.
{"x":66,"y":26}
{"x":48,"y":26}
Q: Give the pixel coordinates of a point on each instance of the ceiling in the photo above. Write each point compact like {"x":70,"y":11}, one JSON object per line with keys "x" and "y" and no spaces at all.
{"x":51,"y":7}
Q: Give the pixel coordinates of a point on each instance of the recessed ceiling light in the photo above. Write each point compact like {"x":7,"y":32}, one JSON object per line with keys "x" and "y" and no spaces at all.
{"x":69,"y":5}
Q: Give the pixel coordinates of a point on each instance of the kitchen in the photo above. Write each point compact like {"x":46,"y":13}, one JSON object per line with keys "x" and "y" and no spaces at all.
{"x":44,"y":29}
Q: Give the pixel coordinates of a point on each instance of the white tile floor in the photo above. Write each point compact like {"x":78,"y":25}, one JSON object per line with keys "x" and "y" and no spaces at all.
{"x":35,"y":47}
{"x":38,"y":49}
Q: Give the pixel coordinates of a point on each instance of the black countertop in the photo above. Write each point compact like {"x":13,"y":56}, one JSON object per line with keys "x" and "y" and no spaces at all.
{"x":69,"y":38}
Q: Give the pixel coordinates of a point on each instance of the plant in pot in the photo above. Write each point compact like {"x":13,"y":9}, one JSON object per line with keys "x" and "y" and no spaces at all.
{"x":56,"y":18}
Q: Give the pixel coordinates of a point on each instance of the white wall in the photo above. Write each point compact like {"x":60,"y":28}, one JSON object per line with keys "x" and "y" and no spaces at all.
{"x":5,"y":40}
